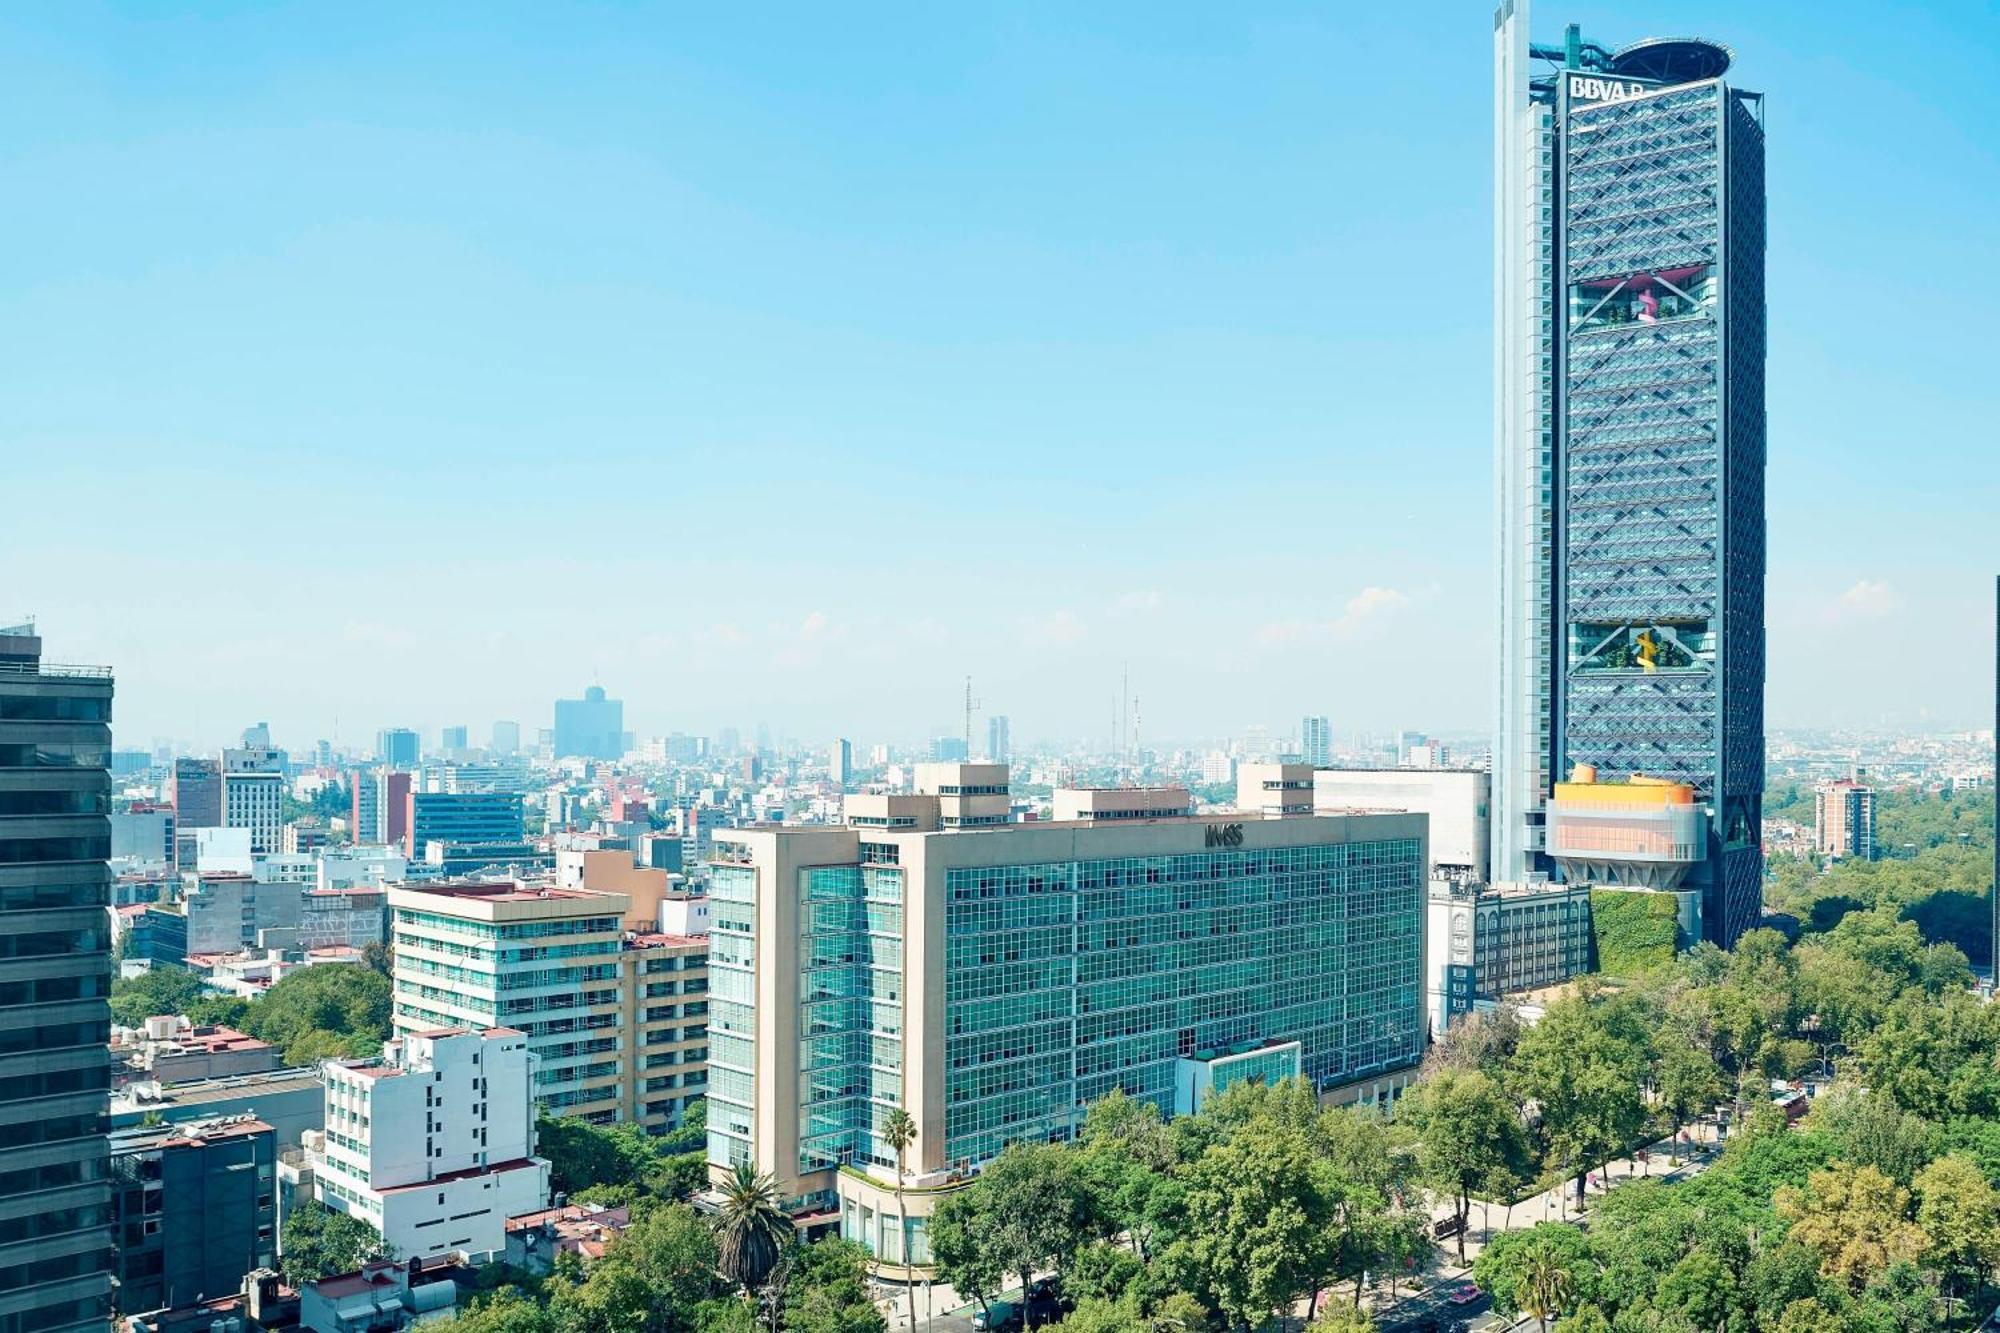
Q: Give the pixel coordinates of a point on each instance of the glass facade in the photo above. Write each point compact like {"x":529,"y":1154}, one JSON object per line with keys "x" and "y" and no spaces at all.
{"x":1068,"y":979}
{"x":1661,"y":516}
{"x":850,"y":1013}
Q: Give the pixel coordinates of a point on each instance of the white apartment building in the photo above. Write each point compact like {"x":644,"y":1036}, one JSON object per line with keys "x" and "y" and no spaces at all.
{"x":256,"y":801}
{"x":356,"y":867}
{"x":455,"y":1157}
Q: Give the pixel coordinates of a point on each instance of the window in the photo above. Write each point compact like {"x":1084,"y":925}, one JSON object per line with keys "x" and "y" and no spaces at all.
{"x":1642,"y":298}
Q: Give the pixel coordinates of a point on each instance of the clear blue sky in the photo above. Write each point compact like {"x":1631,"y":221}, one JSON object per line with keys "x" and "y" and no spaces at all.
{"x":417,"y":363}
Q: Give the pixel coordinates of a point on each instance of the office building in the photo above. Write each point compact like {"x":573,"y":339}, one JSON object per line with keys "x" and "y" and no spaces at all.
{"x":389,"y":794}
{"x":462,"y":818}
{"x":398,"y":747}
{"x":592,"y":727}
{"x":617,"y":1017}
{"x":948,"y":750}
{"x":143,"y":831}
{"x":194,"y":789}
{"x":506,"y":738}
{"x":433,"y":1145}
{"x":1844,"y":820}
{"x":452,"y":740}
{"x":360,"y":867}
{"x":255,"y":800}
{"x":1484,"y":941}
{"x":840,"y":763}
{"x":305,"y":837}
{"x":154,"y":933}
{"x":226,"y":910}
{"x":257,"y":736}
{"x":195,"y":1207}
{"x":55,"y":836}
{"x":1629,"y":438}
{"x":995,"y":981}
{"x":1455,"y":799}
{"x":999,"y":745}
{"x":1315,"y":741}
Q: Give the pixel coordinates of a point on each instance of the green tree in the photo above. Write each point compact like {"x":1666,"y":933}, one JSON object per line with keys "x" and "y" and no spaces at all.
{"x":1507,"y":1262}
{"x":164,"y":989}
{"x":1038,"y":1209}
{"x":318,"y":1242}
{"x":899,"y":1132}
{"x":1855,"y":1219}
{"x":1687,"y":1080}
{"x":347,"y":1006}
{"x":1585,"y":1080}
{"x":1959,"y":1211}
{"x":752,"y":1232}
{"x":582,"y":1155}
{"x":827,"y":1291}
{"x":1547,"y":1282}
{"x":1129,"y":1155}
{"x":963,"y":1248}
{"x":1263,"y":1221}
{"x":1469,"y":1139}
{"x":505,"y":1310}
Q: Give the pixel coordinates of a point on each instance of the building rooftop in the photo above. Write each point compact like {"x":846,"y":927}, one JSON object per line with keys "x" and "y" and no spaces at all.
{"x":187,"y":1134}
{"x":653,"y":939}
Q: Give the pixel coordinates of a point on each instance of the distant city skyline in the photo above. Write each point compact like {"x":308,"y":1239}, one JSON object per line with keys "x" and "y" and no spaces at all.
{"x":642,"y":349}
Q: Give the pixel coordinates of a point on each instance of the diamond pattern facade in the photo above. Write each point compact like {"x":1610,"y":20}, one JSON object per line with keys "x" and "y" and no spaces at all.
{"x":1661,"y":458}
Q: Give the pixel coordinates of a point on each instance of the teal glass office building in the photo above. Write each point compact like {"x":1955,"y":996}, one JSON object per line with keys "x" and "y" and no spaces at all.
{"x":995,"y":982}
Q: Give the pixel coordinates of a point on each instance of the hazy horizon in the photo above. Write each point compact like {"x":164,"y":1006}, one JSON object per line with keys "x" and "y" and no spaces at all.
{"x":789,"y":366}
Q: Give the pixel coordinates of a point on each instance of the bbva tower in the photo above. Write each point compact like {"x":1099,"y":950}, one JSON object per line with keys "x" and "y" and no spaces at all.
{"x":1629,"y":466}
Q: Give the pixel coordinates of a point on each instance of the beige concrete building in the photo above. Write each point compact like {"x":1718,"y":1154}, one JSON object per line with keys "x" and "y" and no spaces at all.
{"x":617,"y":1019}
{"x":1105,"y":804}
{"x":995,"y":981}
{"x":1274,"y":789}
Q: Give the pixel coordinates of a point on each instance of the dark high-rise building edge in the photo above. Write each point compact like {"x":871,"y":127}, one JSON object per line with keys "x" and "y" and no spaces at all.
{"x":1629,"y":450}
{"x":55,"y":980}
{"x":195,"y":792}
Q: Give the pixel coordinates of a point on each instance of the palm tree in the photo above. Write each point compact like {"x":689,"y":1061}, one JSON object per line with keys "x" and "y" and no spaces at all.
{"x":1546,"y":1285}
{"x":752,"y":1232}
{"x":899,"y":1131}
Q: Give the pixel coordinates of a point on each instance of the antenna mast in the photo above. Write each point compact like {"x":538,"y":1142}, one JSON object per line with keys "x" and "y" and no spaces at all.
{"x":970,"y":704}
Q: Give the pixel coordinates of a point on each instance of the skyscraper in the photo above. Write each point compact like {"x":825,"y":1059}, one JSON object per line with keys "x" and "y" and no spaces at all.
{"x":1315,"y":741}
{"x":1629,"y":439}
{"x":999,"y":745}
{"x":840,"y":762}
{"x":55,"y":834}
{"x":592,"y":727}
{"x":506,"y":737}
{"x":196,"y":793}
{"x":398,"y":747}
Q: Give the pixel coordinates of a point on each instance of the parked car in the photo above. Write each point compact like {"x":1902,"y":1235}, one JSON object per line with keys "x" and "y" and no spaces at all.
{"x":1465,"y":1293}
{"x":998,"y":1317}
{"x":1046,"y":1303}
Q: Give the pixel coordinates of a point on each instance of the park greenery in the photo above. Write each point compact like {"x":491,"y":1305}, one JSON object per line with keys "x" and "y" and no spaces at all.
{"x":1935,"y":862}
{"x":332,"y":1010}
{"x":318,"y":1242}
